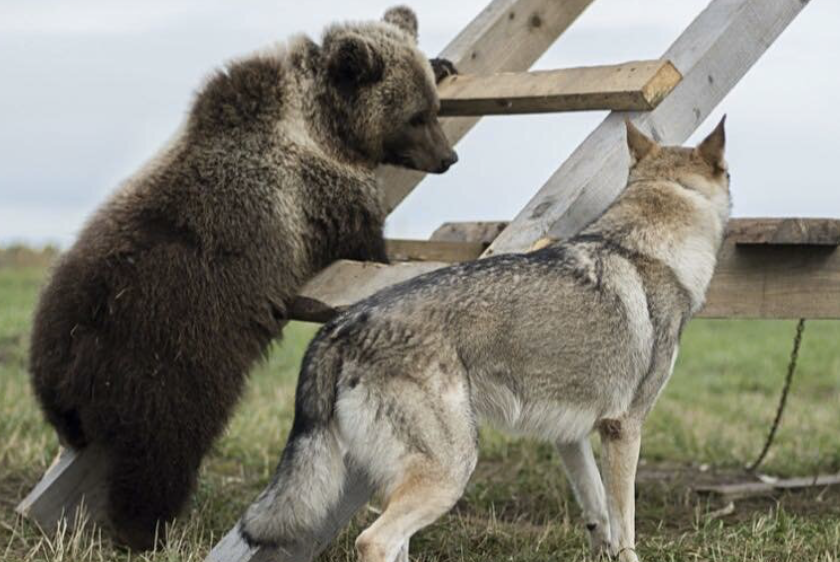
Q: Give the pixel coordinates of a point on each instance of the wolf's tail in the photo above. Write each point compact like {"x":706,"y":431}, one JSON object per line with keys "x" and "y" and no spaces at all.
{"x":313,"y":492}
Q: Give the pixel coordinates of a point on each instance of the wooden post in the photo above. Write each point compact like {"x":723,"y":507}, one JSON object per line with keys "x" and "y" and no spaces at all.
{"x":712,"y":55}
{"x":74,"y":479}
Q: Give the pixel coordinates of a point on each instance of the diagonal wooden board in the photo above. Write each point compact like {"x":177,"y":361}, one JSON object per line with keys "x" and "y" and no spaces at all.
{"x":712,"y":54}
{"x":639,"y":85}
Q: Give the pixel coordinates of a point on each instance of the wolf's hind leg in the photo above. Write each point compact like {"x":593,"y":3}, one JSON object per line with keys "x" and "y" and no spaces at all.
{"x":418,"y":500}
{"x":582,"y":471}
{"x":621,"y":440}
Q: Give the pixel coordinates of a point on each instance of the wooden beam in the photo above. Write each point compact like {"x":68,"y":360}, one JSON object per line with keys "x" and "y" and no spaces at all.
{"x":795,"y":231}
{"x":484,"y":231}
{"x":712,"y":55}
{"x":507,"y":36}
{"x":775,"y":281}
{"x":772,"y":281}
{"x":742,"y":231}
{"x":74,"y":479}
{"x":434,"y":250}
{"x":638,"y":86}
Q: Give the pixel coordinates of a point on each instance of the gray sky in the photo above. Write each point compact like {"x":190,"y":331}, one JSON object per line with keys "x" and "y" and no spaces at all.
{"x":90,"y":89}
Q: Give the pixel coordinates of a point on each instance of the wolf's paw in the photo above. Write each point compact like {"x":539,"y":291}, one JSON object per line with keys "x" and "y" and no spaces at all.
{"x":442,"y":68}
{"x":627,"y":554}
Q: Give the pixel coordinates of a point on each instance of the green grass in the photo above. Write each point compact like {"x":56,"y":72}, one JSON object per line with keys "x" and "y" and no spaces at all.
{"x":710,"y":421}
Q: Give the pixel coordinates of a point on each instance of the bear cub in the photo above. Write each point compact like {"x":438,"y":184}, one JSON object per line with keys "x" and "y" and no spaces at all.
{"x":146,"y":330}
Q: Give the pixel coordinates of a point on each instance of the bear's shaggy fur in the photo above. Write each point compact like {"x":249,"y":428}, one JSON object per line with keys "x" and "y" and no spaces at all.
{"x":149,"y":324}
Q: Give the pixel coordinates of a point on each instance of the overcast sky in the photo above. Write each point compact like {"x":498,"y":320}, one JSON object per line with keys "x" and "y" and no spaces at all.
{"x":90,"y":89}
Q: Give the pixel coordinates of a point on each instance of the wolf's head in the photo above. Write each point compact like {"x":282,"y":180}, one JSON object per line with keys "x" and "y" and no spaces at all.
{"x":702,"y":168}
{"x":381,"y":94}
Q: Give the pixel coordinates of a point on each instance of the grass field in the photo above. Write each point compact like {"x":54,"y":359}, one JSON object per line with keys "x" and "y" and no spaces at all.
{"x":710,"y":421}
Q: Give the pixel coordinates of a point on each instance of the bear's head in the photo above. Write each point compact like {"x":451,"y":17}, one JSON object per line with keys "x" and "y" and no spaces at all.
{"x":380,"y":95}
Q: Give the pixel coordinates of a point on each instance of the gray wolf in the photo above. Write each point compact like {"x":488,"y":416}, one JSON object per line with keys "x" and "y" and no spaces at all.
{"x":149,"y":324}
{"x":577,"y":337}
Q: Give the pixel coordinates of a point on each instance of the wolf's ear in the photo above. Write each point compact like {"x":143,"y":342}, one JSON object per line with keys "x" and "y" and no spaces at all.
{"x":640,"y":145}
{"x":352,"y":61}
{"x":404,"y":18}
{"x":713,"y":146}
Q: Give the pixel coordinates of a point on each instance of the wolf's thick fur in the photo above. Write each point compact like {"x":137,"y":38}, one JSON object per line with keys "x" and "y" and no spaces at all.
{"x":150,"y":322}
{"x":578,"y":336}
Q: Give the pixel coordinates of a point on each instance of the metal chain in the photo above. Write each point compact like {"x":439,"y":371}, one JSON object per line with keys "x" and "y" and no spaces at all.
{"x":794,"y":355}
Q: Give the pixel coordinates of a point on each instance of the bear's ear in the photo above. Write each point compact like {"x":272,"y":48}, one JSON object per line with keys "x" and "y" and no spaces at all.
{"x":352,"y":62}
{"x":404,"y":18}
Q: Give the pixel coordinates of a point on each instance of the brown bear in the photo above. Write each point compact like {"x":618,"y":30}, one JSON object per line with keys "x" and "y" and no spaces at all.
{"x":146,"y":330}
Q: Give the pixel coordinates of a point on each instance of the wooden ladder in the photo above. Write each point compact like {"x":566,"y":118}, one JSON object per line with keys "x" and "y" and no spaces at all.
{"x":768,"y":268}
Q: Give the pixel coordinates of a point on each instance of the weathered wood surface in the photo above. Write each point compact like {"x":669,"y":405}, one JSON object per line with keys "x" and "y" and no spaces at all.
{"x":742,"y":231}
{"x":773,"y":281}
{"x":796,"y":231}
{"x":749,"y":489}
{"x":632,"y":86}
{"x":507,"y":36}
{"x":433,"y":250}
{"x":346,"y":282}
{"x":484,"y":231}
{"x":74,"y":479}
{"x":712,"y":55}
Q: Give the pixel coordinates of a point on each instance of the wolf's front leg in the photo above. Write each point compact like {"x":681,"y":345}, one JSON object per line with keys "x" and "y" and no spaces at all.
{"x":621,"y":440}
{"x":582,"y":471}
{"x":403,"y":555}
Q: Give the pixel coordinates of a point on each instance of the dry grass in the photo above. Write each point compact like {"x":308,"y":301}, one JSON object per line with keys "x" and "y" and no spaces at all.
{"x":518,"y":507}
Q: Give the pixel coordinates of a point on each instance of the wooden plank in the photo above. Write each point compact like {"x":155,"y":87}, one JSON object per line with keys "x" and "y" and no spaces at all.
{"x":773,"y":281}
{"x":433,"y":250}
{"x":346,"y":282}
{"x":750,"y":489}
{"x":74,"y":479}
{"x":797,"y":231}
{"x":712,"y":55}
{"x":742,"y":231}
{"x":507,"y":36}
{"x":638,"y":85}
{"x":484,"y":231}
